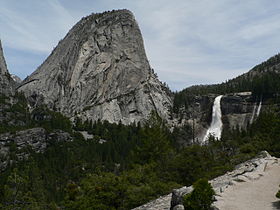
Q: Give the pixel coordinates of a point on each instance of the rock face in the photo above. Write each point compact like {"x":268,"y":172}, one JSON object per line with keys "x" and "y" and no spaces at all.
{"x":193,"y":120}
{"x":16,"y":79}
{"x":6,"y":82}
{"x":100,"y":71}
{"x":35,"y":138}
{"x":162,"y":203}
{"x":239,"y":110}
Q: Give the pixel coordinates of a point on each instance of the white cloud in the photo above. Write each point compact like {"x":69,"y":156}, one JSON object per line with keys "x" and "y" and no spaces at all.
{"x":187,"y":41}
{"x":38,"y":31}
{"x":198,"y":37}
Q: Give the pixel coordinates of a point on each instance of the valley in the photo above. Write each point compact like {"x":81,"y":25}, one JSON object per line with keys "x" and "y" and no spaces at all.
{"x":94,"y":128}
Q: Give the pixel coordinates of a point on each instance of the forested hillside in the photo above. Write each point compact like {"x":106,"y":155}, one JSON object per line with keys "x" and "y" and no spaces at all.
{"x":94,"y":128}
{"x":120,"y":167}
{"x":262,"y":81}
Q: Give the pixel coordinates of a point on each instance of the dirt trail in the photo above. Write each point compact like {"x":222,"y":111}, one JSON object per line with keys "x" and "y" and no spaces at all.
{"x":255,"y":193}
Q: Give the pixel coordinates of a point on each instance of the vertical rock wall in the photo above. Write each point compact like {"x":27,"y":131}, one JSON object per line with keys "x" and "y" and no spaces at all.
{"x":100,"y":71}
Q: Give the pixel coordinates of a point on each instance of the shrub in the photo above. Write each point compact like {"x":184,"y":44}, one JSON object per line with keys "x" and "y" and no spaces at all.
{"x":201,"y":197}
{"x":278,"y":194}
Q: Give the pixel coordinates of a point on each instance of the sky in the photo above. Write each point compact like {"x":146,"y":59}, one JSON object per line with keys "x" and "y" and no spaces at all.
{"x":188,"y":42}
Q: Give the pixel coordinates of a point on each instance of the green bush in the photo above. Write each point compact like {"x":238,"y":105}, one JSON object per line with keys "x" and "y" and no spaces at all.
{"x":278,"y":194}
{"x":201,"y":197}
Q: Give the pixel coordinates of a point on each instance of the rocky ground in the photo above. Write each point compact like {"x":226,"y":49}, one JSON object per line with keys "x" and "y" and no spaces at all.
{"x":162,"y":203}
{"x":252,"y":185}
{"x":254,"y":190}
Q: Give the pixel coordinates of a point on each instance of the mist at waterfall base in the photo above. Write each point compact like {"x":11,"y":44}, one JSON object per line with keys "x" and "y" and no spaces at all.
{"x":216,"y":126}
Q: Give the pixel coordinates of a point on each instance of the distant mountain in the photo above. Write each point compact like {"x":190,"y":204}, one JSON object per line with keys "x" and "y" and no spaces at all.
{"x":16,"y":79}
{"x":100,"y":71}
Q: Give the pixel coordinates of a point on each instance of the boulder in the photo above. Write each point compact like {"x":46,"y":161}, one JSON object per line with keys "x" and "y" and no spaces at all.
{"x":178,"y":194}
{"x":178,"y":207}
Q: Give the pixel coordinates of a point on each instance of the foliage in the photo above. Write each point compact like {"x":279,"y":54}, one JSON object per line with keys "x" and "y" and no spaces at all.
{"x":122,"y":167}
{"x":43,"y":117}
{"x":154,"y":143}
{"x":201,"y":197}
{"x":124,"y":191}
{"x":17,"y":116}
{"x":21,"y":192}
{"x":278,"y":194}
{"x":139,"y":162}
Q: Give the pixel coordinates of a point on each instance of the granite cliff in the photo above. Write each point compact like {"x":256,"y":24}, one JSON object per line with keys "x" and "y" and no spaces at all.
{"x":6,"y":82}
{"x":238,"y":111}
{"x":100,"y":71}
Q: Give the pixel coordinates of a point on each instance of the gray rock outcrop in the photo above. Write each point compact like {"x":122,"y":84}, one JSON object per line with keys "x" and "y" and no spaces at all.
{"x":16,"y":79}
{"x":239,"y":110}
{"x":19,"y":143}
{"x":6,"y":82}
{"x":100,"y":71}
{"x":162,"y":203}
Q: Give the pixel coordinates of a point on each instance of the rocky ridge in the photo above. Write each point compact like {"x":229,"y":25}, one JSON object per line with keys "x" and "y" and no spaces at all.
{"x":100,"y":71}
{"x":253,"y":169}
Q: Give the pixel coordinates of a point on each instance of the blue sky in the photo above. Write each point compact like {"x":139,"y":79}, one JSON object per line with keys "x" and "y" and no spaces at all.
{"x":187,"y":41}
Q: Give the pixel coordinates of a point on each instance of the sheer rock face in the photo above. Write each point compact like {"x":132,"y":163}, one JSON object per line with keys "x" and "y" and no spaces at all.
{"x":100,"y":71}
{"x":6,"y":82}
{"x":239,"y":110}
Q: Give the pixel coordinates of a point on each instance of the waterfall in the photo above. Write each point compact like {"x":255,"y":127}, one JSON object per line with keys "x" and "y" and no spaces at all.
{"x":215,"y":128}
{"x":256,"y":111}
{"x":259,"y":108}
{"x":253,"y":114}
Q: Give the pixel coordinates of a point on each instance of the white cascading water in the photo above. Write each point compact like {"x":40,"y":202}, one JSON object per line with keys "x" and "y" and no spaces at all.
{"x":259,"y":109}
{"x":215,"y":128}
{"x":253,"y":114}
{"x":256,"y":111}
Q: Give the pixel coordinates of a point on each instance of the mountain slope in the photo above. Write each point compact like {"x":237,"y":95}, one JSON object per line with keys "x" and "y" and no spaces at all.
{"x":263,"y":79}
{"x":242,"y":97}
{"x":100,"y":71}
